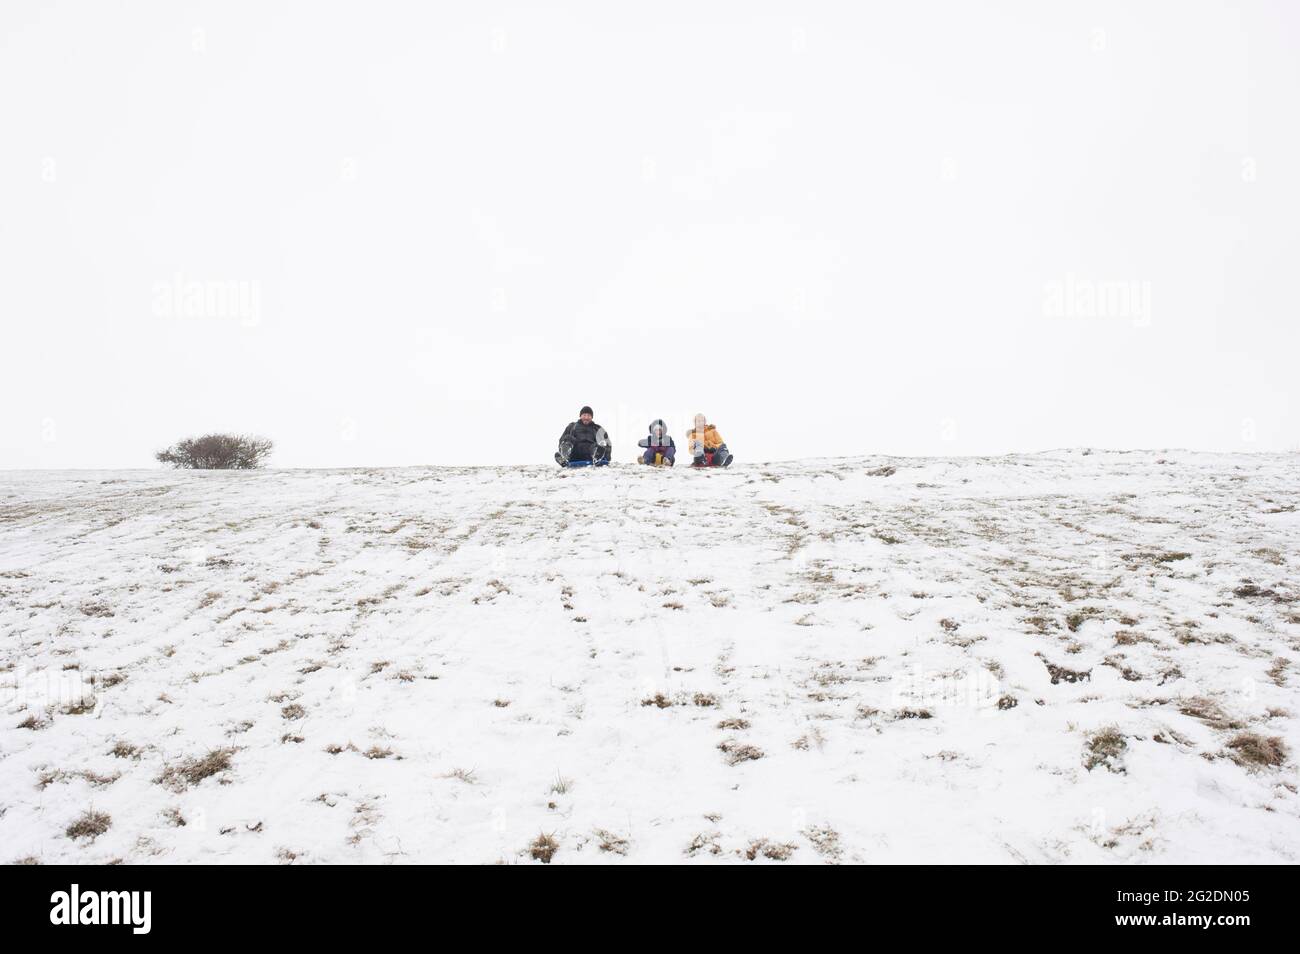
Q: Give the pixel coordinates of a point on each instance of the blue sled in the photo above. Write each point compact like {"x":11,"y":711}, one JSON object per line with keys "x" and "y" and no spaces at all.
{"x":587,"y":463}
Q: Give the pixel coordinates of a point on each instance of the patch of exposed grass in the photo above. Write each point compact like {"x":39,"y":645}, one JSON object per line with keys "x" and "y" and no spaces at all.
{"x":543,"y":848}
{"x":706,"y":842}
{"x":1252,"y":749}
{"x":909,"y":713}
{"x":611,"y":842}
{"x":80,"y":706}
{"x":825,"y":841}
{"x":775,"y":851}
{"x":1105,"y":747}
{"x":1209,"y":712}
{"x":91,"y":824}
{"x":190,"y":772}
{"x":1061,"y":674}
{"x":736,"y":752}
{"x":1079,"y":617}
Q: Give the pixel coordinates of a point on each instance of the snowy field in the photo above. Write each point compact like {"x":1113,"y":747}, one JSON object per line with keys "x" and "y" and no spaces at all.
{"x":1067,"y":657}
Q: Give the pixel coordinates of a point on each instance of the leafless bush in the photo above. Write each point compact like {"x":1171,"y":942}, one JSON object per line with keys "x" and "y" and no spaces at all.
{"x":217,"y":452}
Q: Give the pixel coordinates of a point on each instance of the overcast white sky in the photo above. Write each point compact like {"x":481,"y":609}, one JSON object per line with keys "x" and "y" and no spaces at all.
{"x":835,"y":228}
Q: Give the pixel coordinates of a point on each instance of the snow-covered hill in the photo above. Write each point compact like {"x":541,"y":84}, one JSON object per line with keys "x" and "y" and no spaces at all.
{"x":1060,"y":657}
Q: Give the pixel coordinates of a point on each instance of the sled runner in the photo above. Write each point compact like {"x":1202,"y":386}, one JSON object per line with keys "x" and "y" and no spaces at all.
{"x":587,"y":463}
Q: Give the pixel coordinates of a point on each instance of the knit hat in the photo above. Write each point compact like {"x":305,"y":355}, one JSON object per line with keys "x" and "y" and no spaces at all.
{"x":586,"y":410}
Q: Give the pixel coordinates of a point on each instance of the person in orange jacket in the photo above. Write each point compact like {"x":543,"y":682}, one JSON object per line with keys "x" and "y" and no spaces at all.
{"x":703,"y":439}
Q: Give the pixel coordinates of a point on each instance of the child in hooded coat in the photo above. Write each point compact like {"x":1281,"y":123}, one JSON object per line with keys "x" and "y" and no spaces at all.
{"x":658,"y":443}
{"x":704,"y":438}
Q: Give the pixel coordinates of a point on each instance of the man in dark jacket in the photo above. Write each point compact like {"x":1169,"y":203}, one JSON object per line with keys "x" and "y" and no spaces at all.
{"x":584,"y":439}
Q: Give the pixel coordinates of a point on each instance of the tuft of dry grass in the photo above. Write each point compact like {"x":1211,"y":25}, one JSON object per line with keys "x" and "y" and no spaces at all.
{"x":912,"y":714}
{"x":1209,"y":712}
{"x":659,"y":700}
{"x":91,"y":824}
{"x":543,"y":848}
{"x":611,"y":842}
{"x":193,"y":771}
{"x":775,"y":851}
{"x":293,"y":711}
{"x":1061,"y":674}
{"x":1252,"y":749}
{"x":1078,"y":618}
{"x":825,"y":841}
{"x":736,"y":752}
{"x":80,"y":706}
{"x":1105,"y":747}
{"x":704,"y":842}
{"x":124,"y":750}
{"x":733,"y":723}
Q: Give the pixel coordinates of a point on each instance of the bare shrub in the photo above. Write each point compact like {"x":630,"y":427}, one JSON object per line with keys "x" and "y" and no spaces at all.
{"x":217,"y":452}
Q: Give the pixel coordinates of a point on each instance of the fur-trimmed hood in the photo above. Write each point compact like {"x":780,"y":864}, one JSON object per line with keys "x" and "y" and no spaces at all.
{"x":662,"y":441}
